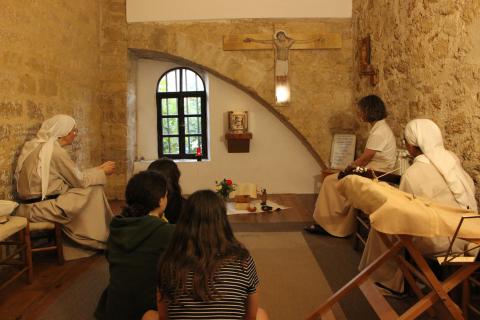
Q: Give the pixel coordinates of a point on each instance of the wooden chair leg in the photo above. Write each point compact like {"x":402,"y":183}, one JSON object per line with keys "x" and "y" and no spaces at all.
{"x":465,"y":297}
{"x":58,"y":243}
{"x":407,"y":273}
{"x":436,"y":286}
{"x":356,"y":282}
{"x":28,"y":253}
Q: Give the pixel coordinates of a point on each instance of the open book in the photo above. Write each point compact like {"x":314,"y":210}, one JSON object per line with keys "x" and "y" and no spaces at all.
{"x":245,"y":189}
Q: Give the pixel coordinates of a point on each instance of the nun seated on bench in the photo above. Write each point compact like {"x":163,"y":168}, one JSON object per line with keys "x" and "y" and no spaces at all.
{"x":52,"y":188}
{"x":399,"y":218}
{"x":436,"y":174}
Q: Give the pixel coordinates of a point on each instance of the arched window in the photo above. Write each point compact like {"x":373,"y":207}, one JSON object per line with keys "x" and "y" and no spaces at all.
{"x":181,"y":114}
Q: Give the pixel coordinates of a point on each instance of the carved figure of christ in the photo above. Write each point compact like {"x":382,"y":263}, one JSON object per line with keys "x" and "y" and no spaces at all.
{"x":281,"y":43}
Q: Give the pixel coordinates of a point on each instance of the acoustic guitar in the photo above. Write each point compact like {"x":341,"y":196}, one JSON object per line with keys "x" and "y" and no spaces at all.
{"x":389,"y":177}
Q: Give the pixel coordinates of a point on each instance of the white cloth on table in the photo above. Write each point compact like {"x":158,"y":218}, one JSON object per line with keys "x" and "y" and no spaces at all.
{"x":231,"y":210}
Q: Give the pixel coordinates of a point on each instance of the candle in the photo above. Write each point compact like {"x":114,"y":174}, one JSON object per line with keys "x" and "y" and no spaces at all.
{"x":199,"y":152}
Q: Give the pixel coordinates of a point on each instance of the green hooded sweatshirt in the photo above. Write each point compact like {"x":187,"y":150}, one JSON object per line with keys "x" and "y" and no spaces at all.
{"x":134,"y":247}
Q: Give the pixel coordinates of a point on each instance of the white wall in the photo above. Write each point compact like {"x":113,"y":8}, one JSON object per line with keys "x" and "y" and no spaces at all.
{"x":163,"y":10}
{"x":277,"y":160}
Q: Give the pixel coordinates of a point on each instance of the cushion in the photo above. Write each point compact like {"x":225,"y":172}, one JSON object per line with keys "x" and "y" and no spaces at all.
{"x":12,"y":226}
{"x":36,"y":226}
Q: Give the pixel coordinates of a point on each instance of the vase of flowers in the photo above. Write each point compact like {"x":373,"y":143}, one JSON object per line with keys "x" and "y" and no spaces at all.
{"x":224,"y":187}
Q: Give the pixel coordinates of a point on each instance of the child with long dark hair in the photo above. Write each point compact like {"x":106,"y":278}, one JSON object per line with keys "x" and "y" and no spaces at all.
{"x":170,"y":170}
{"x":205,"y":272}
{"x":137,"y":239}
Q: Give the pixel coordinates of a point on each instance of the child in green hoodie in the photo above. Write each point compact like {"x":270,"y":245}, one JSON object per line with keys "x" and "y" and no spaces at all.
{"x":137,"y":239}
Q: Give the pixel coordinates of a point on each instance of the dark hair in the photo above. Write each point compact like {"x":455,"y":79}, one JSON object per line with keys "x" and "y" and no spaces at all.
{"x":143,"y":193}
{"x":202,"y":241}
{"x":373,"y":108}
{"x":170,"y":170}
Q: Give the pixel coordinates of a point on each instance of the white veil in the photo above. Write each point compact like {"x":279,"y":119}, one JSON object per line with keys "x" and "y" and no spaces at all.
{"x":56,"y":127}
{"x":426,"y":135}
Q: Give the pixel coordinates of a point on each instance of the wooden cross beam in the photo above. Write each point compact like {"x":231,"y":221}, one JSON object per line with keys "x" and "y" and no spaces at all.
{"x":303,"y":41}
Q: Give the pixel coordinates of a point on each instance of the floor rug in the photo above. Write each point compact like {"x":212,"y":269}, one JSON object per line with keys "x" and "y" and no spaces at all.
{"x":291,"y":281}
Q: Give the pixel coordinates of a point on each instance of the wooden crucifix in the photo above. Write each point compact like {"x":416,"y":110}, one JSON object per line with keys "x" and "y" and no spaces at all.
{"x":282,"y":43}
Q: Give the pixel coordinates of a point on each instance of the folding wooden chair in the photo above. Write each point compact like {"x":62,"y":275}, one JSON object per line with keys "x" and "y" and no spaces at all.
{"x":420,"y":270}
{"x":459,"y":259}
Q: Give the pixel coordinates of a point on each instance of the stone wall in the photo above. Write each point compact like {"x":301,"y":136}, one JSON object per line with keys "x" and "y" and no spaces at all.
{"x":49,"y":61}
{"x":428,"y":57}
{"x":116,"y":95}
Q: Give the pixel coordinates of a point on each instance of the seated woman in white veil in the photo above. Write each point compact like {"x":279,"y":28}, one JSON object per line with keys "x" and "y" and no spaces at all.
{"x":436,"y":174}
{"x":52,"y":188}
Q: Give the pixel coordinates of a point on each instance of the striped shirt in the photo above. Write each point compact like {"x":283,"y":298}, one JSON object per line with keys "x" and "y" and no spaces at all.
{"x":234,"y":281}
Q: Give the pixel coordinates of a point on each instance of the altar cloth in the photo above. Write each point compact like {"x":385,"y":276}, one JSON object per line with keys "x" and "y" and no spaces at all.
{"x":231,"y":210}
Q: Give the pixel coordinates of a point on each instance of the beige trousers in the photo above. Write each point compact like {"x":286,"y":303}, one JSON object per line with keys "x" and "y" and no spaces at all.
{"x":332,"y":211}
{"x":388,"y":274}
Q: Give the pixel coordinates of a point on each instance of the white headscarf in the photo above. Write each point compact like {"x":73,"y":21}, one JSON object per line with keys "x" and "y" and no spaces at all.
{"x":426,"y":135}
{"x":56,"y":127}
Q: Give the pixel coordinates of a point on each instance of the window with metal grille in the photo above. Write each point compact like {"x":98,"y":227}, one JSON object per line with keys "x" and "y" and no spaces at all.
{"x":181,"y":115}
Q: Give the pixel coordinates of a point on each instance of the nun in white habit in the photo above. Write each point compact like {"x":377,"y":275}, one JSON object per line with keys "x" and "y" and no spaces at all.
{"x":437,"y":174}
{"x":52,"y":188}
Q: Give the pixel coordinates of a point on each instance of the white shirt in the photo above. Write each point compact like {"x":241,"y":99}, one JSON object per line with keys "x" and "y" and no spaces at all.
{"x":382,"y":140}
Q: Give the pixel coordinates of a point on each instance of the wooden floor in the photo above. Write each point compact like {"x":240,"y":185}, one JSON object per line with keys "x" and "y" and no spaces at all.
{"x":23,"y":301}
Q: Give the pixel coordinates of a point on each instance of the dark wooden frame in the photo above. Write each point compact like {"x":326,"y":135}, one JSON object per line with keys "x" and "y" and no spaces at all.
{"x":180,"y":96}
{"x":365,"y":56}
{"x":366,"y":67}
{"x":231,"y":117}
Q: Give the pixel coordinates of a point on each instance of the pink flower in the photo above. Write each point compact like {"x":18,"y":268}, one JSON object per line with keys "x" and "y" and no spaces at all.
{"x":229,"y":182}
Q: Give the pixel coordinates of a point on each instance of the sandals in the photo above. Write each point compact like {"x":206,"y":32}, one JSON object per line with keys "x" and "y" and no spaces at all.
{"x":387,"y":292}
{"x":315,"y":229}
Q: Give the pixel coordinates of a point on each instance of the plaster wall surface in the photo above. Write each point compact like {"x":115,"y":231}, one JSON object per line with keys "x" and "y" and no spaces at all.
{"x":162,"y":10}
{"x":277,"y":160}
{"x":48,"y":60}
{"x":428,"y":57}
